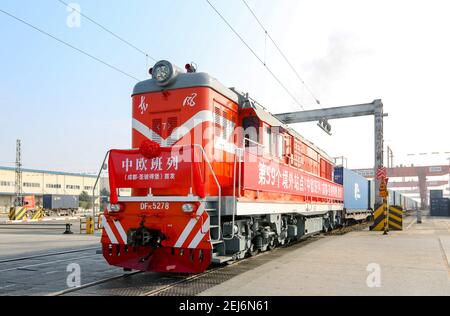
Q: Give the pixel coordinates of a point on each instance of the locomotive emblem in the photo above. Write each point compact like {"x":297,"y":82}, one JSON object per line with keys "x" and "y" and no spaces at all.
{"x":143,"y":106}
{"x":190,"y":100}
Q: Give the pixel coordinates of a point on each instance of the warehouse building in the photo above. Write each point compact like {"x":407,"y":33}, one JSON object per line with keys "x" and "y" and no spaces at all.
{"x":40,"y":182}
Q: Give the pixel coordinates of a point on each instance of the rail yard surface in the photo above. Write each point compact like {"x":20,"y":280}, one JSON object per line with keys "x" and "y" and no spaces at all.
{"x":411,"y":262}
{"x":348,"y":262}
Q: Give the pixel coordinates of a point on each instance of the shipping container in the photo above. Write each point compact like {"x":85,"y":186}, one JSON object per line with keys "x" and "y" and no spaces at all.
{"x":356,"y":189}
{"x":391,"y":198}
{"x":410,"y":204}
{"x":372,"y":195}
{"x":397,"y":199}
{"x":436,"y":194}
{"x":61,"y":202}
{"x":439,"y":207}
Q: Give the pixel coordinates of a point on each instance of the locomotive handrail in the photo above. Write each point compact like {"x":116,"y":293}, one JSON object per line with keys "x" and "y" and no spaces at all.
{"x":96,"y":183}
{"x":253,"y":142}
{"x":258,"y":145}
{"x":299,"y":161}
{"x":238,"y":154}
{"x":219,"y":188}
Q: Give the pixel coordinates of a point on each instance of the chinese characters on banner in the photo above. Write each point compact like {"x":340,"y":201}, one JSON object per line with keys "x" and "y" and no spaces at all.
{"x":132,"y":170}
{"x":266,"y":175}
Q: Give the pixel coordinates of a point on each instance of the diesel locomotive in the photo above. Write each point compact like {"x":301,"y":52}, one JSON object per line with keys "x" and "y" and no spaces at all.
{"x":214,"y":177}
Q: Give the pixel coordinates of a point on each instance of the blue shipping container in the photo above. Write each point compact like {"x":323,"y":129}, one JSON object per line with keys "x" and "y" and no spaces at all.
{"x":356,"y":189}
{"x":63,"y":202}
{"x":398,"y":199}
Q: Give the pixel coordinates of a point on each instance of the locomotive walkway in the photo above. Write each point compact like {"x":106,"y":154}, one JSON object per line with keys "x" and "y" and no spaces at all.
{"x":413,"y":262}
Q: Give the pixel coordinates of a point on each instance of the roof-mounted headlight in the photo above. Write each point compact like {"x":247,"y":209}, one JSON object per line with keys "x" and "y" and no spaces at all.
{"x":164,"y":72}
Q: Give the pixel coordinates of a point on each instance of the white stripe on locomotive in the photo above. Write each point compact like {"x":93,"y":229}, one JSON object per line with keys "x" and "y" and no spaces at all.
{"x":184,"y":129}
{"x":121,"y":231}
{"x":189,"y":227}
{"x":200,"y":235}
{"x":109,"y":231}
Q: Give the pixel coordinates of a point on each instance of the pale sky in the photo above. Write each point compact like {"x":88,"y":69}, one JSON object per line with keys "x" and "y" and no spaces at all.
{"x":69,"y":110}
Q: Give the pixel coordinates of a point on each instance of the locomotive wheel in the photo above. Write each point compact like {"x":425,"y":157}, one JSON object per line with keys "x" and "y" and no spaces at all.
{"x":253,"y":251}
{"x":271,"y":245}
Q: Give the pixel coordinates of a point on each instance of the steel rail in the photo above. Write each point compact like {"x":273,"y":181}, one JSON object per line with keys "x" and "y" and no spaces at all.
{"x":54,"y":254}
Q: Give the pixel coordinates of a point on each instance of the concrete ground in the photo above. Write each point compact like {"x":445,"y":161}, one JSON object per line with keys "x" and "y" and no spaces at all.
{"x":48,"y":273}
{"x":26,"y":239}
{"x":413,"y":262}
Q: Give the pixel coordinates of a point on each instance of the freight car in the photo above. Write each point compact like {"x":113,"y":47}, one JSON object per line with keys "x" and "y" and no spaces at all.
{"x":356,"y":195}
{"x":398,"y":199}
{"x":214,"y":177}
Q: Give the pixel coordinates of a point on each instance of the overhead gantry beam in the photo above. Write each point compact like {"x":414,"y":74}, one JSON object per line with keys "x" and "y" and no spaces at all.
{"x":421,"y":172}
{"x":415,"y":184}
{"x":332,"y":113}
{"x":375,"y":108}
{"x":399,"y":172}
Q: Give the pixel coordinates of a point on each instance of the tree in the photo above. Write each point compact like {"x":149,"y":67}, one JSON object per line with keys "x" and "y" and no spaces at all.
{"x":104,"y":199}
{"x":85,"y":200}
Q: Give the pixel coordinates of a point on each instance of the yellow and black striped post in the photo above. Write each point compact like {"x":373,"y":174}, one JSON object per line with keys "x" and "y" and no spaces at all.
{"x":38,"y":214}
{"x":395,"y":218}
{"x":387,"y":218}
{"x":17,"y":213}
{"x":12,"y":213}
{"x":379,"y":218}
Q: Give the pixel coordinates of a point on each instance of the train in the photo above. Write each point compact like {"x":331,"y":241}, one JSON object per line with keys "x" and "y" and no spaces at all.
{"x":401,"y":200}
{"x":215,"y":177}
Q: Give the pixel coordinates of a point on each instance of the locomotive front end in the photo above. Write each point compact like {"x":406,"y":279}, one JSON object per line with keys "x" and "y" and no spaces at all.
{"x":164,"y":226}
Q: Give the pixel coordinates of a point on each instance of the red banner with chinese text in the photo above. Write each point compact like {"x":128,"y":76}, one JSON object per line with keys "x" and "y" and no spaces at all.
{"x":130,"y":169}
{"x":262,"y":174}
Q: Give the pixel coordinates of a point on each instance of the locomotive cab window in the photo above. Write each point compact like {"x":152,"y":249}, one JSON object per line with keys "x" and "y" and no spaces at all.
{"x":277,"y":147}
{"x":251,"y":131}
{"x":267,"y":140}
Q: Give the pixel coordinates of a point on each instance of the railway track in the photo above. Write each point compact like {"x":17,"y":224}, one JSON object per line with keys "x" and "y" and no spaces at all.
{"x":160,"y":284}
{"x":347,"y":229}
{"x":38,"y":261}
{"x":53,"y":254}
{"x":156,"y":284}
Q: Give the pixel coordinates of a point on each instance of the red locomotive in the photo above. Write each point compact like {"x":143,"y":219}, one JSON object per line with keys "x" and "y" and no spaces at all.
{"x":214,"y":177}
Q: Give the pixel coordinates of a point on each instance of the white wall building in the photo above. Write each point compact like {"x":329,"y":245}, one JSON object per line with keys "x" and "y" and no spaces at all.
{"x":40,"y":182}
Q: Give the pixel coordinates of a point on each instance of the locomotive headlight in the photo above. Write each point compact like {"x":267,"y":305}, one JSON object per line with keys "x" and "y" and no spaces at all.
{"x":114,"y":208}
{"x":188,"y":208}
{"x":163,"y":72}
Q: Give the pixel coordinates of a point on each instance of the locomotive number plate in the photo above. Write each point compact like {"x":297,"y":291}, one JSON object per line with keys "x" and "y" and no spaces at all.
{"x":155,"y":206}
